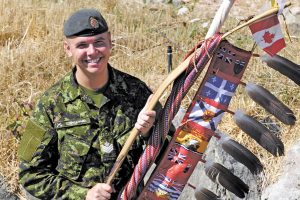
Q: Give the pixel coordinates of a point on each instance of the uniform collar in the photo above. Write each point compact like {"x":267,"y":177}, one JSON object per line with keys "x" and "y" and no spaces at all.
{"x":71,"y":89}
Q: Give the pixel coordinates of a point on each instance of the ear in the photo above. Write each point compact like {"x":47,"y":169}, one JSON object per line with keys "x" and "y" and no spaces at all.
{"x":67,"y":48}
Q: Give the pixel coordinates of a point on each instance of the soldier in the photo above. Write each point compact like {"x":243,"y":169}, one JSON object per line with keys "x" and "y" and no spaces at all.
{"x":80,"y":124}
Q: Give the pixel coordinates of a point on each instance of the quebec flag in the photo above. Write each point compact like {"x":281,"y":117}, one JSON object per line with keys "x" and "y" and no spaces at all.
{"x":218,"y":89}
{"x":206,"y":115}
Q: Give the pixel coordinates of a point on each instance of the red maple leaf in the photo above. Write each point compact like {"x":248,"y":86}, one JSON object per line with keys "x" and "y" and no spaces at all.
{"x":268,"y":37}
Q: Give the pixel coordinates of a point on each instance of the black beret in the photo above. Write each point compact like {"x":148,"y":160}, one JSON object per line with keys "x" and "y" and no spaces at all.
{"x":85,"y":22}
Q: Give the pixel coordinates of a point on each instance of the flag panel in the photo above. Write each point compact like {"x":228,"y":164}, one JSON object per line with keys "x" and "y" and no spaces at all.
{"x":218,"y":89}
{"x":229,"y":62}
{"x":268,"y":35}
{"x":169,"y":180}
{"x":206,"y":115}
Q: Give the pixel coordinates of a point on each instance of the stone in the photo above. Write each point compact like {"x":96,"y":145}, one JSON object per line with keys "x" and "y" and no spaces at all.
{"x":183,"y":11}
{"x":292,"y":16}
{"x":288,"y":185}
{"x":4,"y":193}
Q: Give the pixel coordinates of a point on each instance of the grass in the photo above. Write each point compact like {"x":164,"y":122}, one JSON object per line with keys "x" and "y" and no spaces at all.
{"x":33,"y":59}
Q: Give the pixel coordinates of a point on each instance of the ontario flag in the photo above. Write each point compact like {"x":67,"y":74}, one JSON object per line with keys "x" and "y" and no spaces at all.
{"x":267,"y":34}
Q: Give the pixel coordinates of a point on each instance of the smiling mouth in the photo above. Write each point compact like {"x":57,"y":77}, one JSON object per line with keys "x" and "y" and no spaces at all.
{"x":93,"y":60}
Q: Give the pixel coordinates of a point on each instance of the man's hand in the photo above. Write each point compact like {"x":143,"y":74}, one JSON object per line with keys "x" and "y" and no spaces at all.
{"x":145,"y":120}
{"x":100,"y":191}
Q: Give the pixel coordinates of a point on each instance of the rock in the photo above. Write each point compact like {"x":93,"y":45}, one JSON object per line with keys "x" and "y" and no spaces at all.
{"x":287,"y":187}
{"x":295,"y":10}
{"x":194,"y":20}
{"x":292,"y":16}
{"x":174,"y":2}
{"x":183,"y":11}
{"x":154,"y":1}
{"x":4,"y":194}
{"x":205,"y":25}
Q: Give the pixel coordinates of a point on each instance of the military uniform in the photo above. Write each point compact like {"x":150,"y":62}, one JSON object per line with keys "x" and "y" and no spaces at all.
{"x":71,"y":143}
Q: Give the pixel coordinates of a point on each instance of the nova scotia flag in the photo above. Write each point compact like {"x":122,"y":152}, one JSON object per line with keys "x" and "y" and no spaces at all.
{"x":218,"y":89}
{"x":206,"y":115}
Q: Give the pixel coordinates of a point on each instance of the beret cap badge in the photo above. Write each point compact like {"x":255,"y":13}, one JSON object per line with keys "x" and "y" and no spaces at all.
{"x":94,"y":22}
{"x":84,"y":23}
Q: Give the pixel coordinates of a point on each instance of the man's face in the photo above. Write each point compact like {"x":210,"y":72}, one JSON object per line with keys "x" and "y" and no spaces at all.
{"x":90,"y":54}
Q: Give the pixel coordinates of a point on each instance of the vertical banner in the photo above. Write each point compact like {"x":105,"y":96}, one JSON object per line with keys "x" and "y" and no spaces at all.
{"x":191,"y":138}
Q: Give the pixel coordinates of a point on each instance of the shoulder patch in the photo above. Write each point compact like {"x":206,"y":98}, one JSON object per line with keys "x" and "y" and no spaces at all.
{"x":31,"y":139}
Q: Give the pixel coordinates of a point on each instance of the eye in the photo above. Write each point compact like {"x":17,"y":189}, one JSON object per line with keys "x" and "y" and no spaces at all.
{"x":99,"y":44}
{"x":81,"y":46}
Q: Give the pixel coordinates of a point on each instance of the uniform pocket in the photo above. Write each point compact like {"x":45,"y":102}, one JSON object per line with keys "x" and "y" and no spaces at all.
{"x":122,"y":123}
{"x":122,"y":127}
{"x":74,"y":144}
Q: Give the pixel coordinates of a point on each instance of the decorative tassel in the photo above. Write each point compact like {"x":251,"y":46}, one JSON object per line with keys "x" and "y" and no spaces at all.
{"x":219,"y":174}
{"x":259,"y":133}
{"x":269,"y":102}
{"x":205,"y":194}
{"x":241,"y":154}
{"x":284,"y":66}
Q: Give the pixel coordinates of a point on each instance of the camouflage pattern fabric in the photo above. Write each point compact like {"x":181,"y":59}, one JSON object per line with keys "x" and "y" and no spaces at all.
{"x":70,"y":143}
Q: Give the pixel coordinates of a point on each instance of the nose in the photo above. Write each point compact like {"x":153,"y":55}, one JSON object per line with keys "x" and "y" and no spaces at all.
{"x":91,"y":50}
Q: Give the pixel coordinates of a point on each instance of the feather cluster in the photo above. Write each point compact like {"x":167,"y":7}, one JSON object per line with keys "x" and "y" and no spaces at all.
{"x":205,"y":194}
{"x":269,"y":102}
{"x":219,"y":174}
{"x":241,"y":154}
{"x":284,"y":66}
{"x":259,"y":133}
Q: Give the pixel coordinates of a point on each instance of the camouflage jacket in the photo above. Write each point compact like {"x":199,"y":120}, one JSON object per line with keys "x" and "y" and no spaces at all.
{"x":70,"y":144}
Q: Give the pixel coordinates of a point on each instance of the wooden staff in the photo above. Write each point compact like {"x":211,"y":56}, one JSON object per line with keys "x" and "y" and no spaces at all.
{"x":219,"y":18}
{"x":170,"y":78}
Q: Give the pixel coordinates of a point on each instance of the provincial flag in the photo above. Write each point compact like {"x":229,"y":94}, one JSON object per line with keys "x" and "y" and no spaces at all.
{"x":218,"y":89}
{"x":206,"y":115}
{"x":164,"y":186}
{"x":267,"y":34}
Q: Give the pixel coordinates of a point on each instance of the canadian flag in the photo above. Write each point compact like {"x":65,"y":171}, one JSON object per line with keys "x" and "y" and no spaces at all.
{"x":267,"y":34}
